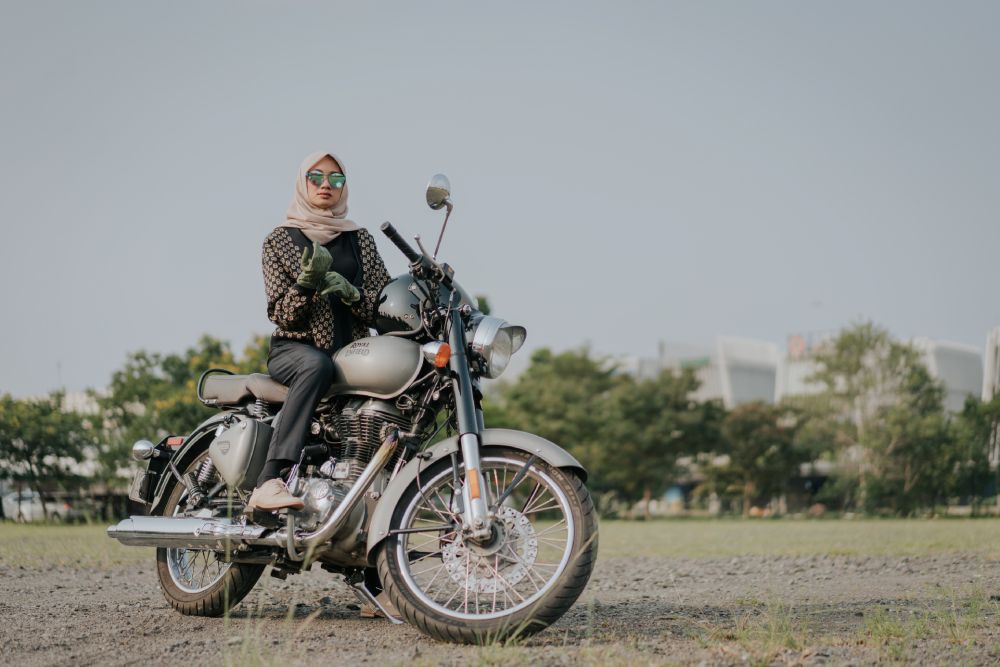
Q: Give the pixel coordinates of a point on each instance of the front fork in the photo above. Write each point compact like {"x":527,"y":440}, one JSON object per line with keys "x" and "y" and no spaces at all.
{"x":476,"y":516}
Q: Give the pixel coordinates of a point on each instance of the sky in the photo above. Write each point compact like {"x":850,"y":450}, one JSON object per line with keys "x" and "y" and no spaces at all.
{"x":623,"y":173}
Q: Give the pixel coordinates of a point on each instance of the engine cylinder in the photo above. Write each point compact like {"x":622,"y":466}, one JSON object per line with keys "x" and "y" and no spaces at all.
{"x":361,"y":425}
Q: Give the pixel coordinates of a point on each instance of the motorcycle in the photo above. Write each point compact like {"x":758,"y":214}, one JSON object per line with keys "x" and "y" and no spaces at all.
{"x":483,"y":535}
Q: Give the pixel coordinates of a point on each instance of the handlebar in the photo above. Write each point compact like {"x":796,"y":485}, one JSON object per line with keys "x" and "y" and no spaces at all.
{"x":400,"y":242}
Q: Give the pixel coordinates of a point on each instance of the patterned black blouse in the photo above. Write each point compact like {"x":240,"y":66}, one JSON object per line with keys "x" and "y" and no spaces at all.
{"x":302,"y":314}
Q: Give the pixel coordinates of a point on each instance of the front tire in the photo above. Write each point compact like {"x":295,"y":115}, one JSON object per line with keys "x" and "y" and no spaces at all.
{"x":518,"y":583}
{"x":196,"y":582}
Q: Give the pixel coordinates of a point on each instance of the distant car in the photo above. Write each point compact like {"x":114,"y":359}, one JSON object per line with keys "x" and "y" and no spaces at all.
{"x":27,"y":506}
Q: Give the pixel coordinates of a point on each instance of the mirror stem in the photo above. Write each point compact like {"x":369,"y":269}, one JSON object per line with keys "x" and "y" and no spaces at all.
{"x":449,"y":205}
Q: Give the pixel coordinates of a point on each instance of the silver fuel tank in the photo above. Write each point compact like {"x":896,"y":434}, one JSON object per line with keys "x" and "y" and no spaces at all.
{"x":379,"y":366}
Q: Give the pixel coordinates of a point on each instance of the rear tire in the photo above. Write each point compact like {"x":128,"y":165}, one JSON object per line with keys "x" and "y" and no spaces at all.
{"x":216,"y":595}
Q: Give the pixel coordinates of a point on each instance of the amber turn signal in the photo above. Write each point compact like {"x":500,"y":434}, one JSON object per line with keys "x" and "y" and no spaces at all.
{"x":437,"y":353}
{"x":443,"y":356}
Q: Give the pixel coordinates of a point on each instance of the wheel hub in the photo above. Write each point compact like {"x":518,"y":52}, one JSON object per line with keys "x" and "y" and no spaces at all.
{"x":501,"y":562}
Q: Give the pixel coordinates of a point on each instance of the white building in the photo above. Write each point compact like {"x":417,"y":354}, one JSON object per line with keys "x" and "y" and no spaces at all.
{"x":641,"y":368}
{"x":797,"y":366}
{"x":735,"y":371}
{"x":959,"y":367}
{"x":991,"y":367}
{"x":741,"y":370}
{"x":793,"y":378}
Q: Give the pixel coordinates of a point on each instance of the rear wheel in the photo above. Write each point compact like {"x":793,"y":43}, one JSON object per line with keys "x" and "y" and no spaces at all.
{"x":518,"y":582}
{"x":199,"y":582}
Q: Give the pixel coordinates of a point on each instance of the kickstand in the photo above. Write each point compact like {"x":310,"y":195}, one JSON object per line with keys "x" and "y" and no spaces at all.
{"x":365,"y":596}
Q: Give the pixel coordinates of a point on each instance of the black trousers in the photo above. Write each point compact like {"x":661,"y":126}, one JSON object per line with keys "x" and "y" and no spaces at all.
{"x":307,"y":371}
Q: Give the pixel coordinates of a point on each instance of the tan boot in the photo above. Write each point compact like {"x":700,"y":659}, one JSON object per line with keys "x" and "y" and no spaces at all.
{"x":273,"y":495}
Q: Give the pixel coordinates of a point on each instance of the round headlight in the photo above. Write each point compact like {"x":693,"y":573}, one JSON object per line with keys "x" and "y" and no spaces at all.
{"x":496,"y":341}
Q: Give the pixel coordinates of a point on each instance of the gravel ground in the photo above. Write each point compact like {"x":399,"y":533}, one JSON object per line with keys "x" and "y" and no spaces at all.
{"x":935,"y":609}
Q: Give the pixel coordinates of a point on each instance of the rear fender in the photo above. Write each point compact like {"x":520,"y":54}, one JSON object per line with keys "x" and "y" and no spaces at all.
{"x":548,"y":451}
{"x":194,"y":445}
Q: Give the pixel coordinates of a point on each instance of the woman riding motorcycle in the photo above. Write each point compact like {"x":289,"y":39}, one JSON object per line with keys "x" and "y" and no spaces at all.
{"x":323,"y":276}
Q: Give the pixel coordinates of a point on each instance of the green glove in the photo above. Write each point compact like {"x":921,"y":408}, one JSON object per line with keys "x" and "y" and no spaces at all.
{"x":314,"y":267}
{"x":334,"y":283}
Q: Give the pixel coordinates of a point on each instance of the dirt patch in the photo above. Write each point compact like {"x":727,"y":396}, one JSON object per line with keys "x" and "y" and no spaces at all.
{"x":650,"y":610}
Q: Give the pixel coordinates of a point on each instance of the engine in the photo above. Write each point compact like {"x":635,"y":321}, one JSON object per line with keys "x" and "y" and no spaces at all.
{"x":353,"y":431}
{"x":359,"y":428}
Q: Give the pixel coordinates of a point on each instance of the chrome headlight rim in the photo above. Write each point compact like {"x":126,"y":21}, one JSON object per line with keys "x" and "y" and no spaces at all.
{"x":495,"y":340}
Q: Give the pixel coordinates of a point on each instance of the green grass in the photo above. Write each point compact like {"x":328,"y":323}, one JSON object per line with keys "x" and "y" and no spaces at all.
{"x":38,"y":546}
{"x":787,"y":537}
{"x":956,"y":620}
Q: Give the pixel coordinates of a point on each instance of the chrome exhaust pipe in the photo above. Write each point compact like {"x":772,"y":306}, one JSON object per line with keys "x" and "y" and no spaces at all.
{"x":224,"y":534}
{"x":183,"y":532}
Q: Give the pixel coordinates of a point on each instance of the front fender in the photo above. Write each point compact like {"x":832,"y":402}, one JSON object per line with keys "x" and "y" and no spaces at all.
{"x":548,"y":451}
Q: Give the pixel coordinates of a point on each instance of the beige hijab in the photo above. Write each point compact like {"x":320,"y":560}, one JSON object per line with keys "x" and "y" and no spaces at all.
{"x":318,"y":224}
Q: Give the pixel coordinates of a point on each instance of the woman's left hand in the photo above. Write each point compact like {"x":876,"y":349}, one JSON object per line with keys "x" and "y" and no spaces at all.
{"x":314,"y":267}
{"x":334,"y":283}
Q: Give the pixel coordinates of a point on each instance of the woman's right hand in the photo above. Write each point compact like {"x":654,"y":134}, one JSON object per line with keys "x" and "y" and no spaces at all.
{"x":314,"y":267}
{"x":338,"y":285}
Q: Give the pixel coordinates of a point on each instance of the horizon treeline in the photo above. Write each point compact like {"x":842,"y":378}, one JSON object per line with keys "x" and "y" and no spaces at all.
{"x":876,"y":438}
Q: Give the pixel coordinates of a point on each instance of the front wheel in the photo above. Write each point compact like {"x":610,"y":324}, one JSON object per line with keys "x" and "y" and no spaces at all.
{"x":518,"y":582}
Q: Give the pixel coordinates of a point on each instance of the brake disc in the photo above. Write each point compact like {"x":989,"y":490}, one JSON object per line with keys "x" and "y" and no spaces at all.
{"x":502,"y":563}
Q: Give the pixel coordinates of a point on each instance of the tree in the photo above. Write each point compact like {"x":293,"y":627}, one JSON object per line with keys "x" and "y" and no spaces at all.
{"x":871,"y":383}
{"x":911,"y":449}
{"x":484,"y":304}
{"x":560,"y":397}
{"x":759,"y":441}
{"x":647,"y":425}
{"x":628,"y":433}
{"x":975,"y":442}
{"x":39,"y":441}
{"x":254,"y":359}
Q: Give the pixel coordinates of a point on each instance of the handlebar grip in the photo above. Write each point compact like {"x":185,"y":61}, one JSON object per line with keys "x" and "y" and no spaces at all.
{"x":400,"y":242}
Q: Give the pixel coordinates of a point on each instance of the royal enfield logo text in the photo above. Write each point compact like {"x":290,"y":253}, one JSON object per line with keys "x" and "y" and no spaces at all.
{"x":358,"y":348}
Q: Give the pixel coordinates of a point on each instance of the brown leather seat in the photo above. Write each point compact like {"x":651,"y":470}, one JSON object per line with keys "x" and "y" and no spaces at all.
{"x":223,"y":389}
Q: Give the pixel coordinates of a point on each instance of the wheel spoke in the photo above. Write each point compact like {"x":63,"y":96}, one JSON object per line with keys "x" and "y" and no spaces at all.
{"x":471,"y":580}
{"x":465,"y":588}
{"x":531,"y":497}
{"x":496,"y":573}
{"x":530,"y":572}
{"x":430,"y":583}
{"x":517,"y":480}
{"x":194,"y":570}
{"x":550,"y":528}
{"x":450,"y":514}
{"x":458,"y":589}
{"x":426,"y":555}
{"x":416,"y":547}
{"x":496,"y":564}
{"x":204,"y":569}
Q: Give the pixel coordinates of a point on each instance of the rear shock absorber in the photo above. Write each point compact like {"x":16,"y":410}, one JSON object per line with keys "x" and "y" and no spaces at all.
{"x":194,"y":482}
{"x":205,"y":472}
